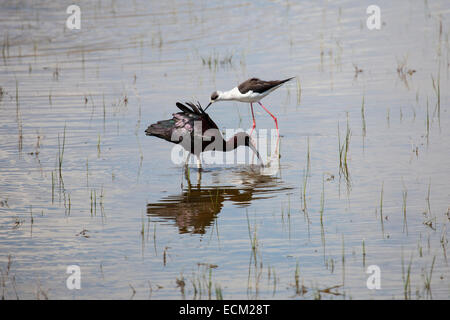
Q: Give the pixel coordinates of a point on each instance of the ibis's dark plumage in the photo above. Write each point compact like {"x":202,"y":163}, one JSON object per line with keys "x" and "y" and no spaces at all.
{"x":193,"y":127}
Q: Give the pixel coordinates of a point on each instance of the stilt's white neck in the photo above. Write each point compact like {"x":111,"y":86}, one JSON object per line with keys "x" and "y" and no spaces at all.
{"x":229,"y":95}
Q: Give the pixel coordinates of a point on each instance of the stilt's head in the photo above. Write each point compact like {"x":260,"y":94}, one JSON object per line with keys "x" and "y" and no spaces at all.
{"x":215,"y":96}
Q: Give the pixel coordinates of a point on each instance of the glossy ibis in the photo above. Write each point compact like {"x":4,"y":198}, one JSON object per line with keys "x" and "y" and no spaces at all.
{"x":197,"y":132}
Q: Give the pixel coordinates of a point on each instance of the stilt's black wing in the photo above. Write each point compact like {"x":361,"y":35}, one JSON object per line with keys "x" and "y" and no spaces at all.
{"x":260,"y":86}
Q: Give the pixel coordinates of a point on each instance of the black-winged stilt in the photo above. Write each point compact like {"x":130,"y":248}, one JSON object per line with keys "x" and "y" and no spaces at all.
{"x":250,"y":91}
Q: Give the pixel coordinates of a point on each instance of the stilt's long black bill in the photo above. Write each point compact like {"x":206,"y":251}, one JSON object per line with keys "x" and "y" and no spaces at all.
{"x":207,"y":106}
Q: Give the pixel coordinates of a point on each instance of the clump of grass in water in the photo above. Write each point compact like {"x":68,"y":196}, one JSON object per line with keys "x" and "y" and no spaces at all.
{"x":165,"y":255}
{"x":93,"y":202}
{"x":31,"y":220}
{"x":403,"y":71}
{"x":322,"y":205}
{"x":98,"y":146}
{"x":305,"y":182}
{"x":203,"y":283}
{"x":330,"y":265}
{"x":343,"y":261}
{"x":6,"y":278}
{"x":17,"y":100}
{"x":256,"y":265}
{"x":133,"y":291}
{"x":343,"y":154}
{"x":70,"y":204}
{"x":322,"y":200}
{"x":406,"y":278}
{"x":157,"y":39}
{"x":104,"y":112}
{"x":381,"y":208}
{"x":154,"y":239}
{"x":388,"y":117}
{"x":142,"y":227}
{"x":274,"y":282}
{"x":5,"y":49}
{"x":61,"y":152}
{"x":308,"y":160}
{"x":20,"y":143}
{"x":209,"y":284}
{"x":299,"y":289}
{"x":56,"y":73}
{"x":430,"y":218}
{"x":363,"y":117}
{"x":444,"y":240}
{"x":419,"y":246}
{"x":428,"y":123}
{"x":19,"y":119}
{"x":404,"y":197}
{"x":364,"y":253}
{"x":53,"y":187}
{"x":181,"y":284}
{"x":306,"y":173}
{"x":58,"y":174}
{"x":213,"y":61}
{"x":427,"y":278}
{"x":253,"y":238}
{"x":87,"y":172}
{"x":219,"y":295}
{"x":428,"y":212}
{"x":102,"y":207}
{"x":437,"y":90}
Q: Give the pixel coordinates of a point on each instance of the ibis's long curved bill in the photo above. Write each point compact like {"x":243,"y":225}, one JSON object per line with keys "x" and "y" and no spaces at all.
{"x":208,"y":106}
{"x":252,"y":146}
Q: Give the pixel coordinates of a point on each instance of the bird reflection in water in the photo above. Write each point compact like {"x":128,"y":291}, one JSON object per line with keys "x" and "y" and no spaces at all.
{"x":196,"y":208}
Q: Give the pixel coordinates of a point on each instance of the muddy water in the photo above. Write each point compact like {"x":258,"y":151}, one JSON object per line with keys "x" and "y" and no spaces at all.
{"x":81,"y":184}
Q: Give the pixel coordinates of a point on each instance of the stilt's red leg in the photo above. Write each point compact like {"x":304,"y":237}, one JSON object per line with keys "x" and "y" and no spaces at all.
{"x":274,"y":118}
{"x":253,"y":116}
{"x":276,"y":125}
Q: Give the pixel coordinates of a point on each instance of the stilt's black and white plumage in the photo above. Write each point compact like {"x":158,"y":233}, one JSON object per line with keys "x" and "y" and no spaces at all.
{"x":250,"y":91}
{"x":197,"y":132}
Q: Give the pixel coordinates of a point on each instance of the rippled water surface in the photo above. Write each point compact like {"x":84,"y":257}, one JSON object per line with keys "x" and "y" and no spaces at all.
{"x":363,"y":173}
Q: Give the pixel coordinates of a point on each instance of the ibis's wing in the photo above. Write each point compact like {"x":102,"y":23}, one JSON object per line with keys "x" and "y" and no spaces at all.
{"x":192,"y":121}
{"x":195,"y":115}
{"x":183,"y":108}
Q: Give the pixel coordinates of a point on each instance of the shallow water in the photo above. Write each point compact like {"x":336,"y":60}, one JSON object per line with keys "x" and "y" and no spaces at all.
{"x":138,"y":226}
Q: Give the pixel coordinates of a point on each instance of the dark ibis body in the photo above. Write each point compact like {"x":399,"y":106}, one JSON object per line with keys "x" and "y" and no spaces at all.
{"x":197,"y":132}
{"x":250,"y":91}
